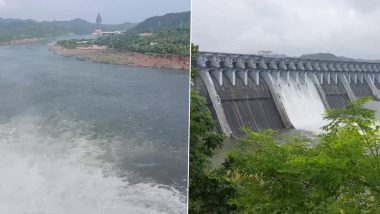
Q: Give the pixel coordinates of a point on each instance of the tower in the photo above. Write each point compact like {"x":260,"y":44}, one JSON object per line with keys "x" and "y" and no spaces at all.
{"x":98,"y":32}
{"x":99,"y":22}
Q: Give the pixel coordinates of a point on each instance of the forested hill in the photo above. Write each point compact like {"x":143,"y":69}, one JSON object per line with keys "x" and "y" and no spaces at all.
{"x":13,"y":29}
{"x":332,"y":57}
{"x":170,"y":20}
{"x":326,"y":56}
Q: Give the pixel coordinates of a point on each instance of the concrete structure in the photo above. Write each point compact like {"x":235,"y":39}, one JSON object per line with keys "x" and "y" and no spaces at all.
{"x":111,"y":33}
{"x":99,"y":21}
{"x":98,"y":32}
{"x":242,"y":85}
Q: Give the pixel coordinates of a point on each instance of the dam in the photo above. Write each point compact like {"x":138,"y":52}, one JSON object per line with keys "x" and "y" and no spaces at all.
{"x":260,"y":92}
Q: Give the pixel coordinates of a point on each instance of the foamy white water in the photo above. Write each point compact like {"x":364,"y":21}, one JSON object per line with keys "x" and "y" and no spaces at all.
{"x":62,"y":174}
{"x":302,"y":103}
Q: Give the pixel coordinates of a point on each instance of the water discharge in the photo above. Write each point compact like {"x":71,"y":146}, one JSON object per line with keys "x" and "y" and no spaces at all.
{"x":302,"y":103}
{"x":42,"y":173}
{"x":79,"y":137}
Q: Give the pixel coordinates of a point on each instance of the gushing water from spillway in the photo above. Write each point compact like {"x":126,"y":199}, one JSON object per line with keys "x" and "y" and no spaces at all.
{"x":302,"y":103}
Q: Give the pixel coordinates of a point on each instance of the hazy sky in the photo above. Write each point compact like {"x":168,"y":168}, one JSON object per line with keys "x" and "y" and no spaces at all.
{"x":293,"y":27}
{"x":112,"y":11}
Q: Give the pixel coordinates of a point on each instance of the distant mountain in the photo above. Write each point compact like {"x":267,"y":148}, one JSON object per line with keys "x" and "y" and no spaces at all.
{"x":170,"y":20}
{"x":327,"y":56}
{"x":11,"y":29}
{"x":330,"y":56}
{"x":80,"y":26}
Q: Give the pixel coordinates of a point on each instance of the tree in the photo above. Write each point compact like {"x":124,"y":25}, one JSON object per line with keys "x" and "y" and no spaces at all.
{"x":209,"y":191}
{"x":340,"y":174}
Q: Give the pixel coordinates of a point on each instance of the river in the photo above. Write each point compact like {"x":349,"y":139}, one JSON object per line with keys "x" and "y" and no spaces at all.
{"x":81,"y":137}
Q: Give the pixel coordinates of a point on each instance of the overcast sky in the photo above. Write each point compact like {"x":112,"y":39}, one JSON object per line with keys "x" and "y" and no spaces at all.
{"x":112,"y":11}
{"x":293,"y":27}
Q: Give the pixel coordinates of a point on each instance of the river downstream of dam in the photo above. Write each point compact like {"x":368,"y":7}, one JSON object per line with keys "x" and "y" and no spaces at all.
{"x":80,"y":137}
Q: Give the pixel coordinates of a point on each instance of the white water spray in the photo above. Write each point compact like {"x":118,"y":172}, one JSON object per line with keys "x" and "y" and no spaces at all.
{"x":61,"y":174}
{"x":302,"y":103}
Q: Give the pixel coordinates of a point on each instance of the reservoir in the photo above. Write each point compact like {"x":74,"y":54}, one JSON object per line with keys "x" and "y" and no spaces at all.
{"x":82,"y":137}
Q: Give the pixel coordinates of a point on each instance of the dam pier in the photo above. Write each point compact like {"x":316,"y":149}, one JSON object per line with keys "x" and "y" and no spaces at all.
{"x":260,"y":92}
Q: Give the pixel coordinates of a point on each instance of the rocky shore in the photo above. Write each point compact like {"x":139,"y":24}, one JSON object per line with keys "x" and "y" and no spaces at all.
{"x":102,"y":54}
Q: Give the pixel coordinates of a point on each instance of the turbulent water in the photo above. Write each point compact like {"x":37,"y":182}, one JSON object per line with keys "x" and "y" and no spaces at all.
{"x":80,"y":137}
{"x":302,"y":104}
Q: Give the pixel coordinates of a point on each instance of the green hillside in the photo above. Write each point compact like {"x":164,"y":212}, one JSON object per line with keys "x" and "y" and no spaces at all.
{"x":168,"y":21}
{"x":326,"y":56}
{"x":332,"y":57}
{"x":12,"y":29}
{"x":173,"y":41}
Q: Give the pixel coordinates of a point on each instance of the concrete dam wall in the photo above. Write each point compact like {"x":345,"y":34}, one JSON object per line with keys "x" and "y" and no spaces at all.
{"x":248,"y":105}
{"x":263,"y":92}
{"x":361,"y":90}
{"x":336,"y":95}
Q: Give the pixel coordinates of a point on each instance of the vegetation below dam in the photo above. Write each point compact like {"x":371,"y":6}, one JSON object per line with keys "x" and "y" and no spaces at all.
{"x":340,"y":174}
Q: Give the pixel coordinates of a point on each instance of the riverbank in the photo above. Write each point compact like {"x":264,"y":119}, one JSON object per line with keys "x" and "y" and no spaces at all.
{"x":102,"y":54}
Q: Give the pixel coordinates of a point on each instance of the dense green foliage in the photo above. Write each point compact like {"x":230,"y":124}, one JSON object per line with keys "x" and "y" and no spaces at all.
{"x":168,"y":21}
{"x":74,"y":43}
{"x":208,"y":190}
{"x":14,"y":29}
{"x":339,"y":175}
{"x":194,"y":54}
{"x":173,"y":41}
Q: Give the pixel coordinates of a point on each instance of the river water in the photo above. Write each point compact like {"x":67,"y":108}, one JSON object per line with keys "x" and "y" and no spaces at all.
{"x":80,"y":137}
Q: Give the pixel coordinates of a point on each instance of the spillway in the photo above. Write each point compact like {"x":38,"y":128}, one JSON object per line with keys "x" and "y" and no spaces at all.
{"x":336,"y":95}
{"x":261,"y":92}
{"x":377,"y":85}
{"x":302,"y":104}
{"x":250,"y":105}
{"x":361,"y":90}
{"x":201,"y":89}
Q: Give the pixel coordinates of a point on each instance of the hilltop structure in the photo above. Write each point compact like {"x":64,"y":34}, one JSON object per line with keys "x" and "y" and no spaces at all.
{"x":98,"y":32}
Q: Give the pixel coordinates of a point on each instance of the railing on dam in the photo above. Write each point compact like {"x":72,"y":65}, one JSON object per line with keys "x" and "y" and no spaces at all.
{"x":244,"y":66}
{"x":261,"y":92}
